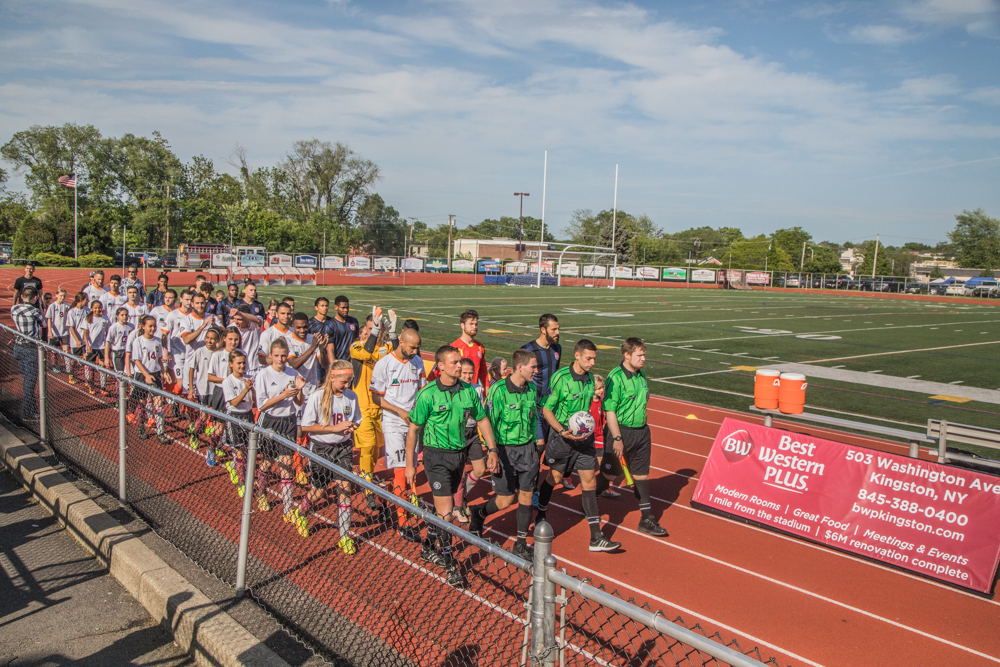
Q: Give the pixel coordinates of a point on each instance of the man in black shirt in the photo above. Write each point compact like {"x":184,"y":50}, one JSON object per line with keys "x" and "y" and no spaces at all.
{"x":345,"y":328}
{"x":229,"y":304}
{"x":28,"y":280}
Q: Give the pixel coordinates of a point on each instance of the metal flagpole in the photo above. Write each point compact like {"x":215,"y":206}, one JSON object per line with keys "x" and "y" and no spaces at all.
{"x":545,"y":173}
{"x":76,"y":249}
{"x":614,"y":225}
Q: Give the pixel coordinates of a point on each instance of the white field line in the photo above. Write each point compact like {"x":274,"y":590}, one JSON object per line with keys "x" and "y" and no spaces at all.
{"x":789,"y":586}
{"x":690,"y":375}
{"x":803,"y":333}
{"x":882,"y":354}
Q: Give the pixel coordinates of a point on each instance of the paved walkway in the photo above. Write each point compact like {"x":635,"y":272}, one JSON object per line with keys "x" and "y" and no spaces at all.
{"x":58,"y":605}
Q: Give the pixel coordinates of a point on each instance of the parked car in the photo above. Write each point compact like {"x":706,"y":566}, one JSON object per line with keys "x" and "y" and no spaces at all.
{"x":985,"y":292}
{"x":915,"y":288}
{"x":955,"y":290}
{"x":169,"y":260}
{"x":792,"y":281}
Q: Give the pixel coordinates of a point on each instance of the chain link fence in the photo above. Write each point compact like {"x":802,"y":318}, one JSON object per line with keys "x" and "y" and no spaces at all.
{"x":349,"y":565}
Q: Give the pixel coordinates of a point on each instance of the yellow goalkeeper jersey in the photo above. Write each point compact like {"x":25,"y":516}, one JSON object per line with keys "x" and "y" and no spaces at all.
{"x":364,"y":362}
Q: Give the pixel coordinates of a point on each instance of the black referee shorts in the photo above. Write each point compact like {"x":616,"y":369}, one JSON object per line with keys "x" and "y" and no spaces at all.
{"x":565,"y":455}
{"x":638,"y":446}
{"x":518,"y":469}
{"x":444,"y":469}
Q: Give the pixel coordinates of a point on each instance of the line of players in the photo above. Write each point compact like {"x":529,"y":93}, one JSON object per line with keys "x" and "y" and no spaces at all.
{"x":381,"y":397}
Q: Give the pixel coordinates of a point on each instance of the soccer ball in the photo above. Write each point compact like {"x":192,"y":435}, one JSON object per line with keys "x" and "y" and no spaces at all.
{"x":581,"y":423}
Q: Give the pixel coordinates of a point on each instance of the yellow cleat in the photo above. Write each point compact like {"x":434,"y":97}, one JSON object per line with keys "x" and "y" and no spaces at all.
{"x":346,"y":545}
{"x":291,"y":516}
{"x":301,"y":479}
{"x":241,"y":490}
{"x":262,"y":503}
{"x":302,"y":525}
{"x":71,"y":379}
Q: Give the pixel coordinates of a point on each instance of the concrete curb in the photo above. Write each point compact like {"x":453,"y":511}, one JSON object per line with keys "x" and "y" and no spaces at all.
{"x":199,"y":626}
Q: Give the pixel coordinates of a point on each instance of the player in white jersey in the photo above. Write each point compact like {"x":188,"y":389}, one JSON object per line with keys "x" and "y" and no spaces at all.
{"x":176,"y":322}
{"x":279,"y":392}
{"x":237,"y":390}
{"x":162,"y":312}
{"x":396,"y":379}
{"x":329,"y":418}
{"x":136,"y":308}
{"x":199,"y":391}
{"x":55,"y":316}
{"x":145,"y":354}
{"x":249,"y":327}
{"x":95,"y":289}
{"x":113,"y":297}
{"x":116,"y":341}
{"x":218,"y":368}
{"x":282,"y":328}
{"x":74,"y":323}
{"x":305,"y":355}
{"x":95,"y":329}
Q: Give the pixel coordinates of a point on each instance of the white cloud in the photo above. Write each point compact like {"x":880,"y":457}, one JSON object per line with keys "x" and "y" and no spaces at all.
{"x":989,"y":95}
{"x":889,"y":35}
{"x":979,"y":17}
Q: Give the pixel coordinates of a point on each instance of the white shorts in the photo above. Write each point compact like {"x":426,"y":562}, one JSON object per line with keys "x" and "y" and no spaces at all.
{"x":394,"y":433}
{"x":179,"y":368}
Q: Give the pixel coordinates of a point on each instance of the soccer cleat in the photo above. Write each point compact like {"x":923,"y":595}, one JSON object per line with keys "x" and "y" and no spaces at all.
{"x":433,"y":556}
{"x":241,"y":490}
{"x":371,"y":501}
{"x":192,"y":428}
{"x":291,"y":516}
{"x":462,"y":514}
{"x":210,"y":458}
{"x":522,"y":550}
{"x":193,"y":442}
{"x":539,"y":517}
{"x":233,"y":477}
{"x":57,"y":370}
{"x":476,"y":523}
{"x":302,"y":524}
{"x":301,"y":479}
{"x":262,"y":503}
{"x":72,"y":379}
{"x":649,"y":526}
{"x":604,"y":544}
{"x":610,"y":493}
{"x":410,"y":534}
{"x":534,"y":499}
{"x":210,"y":429}
{"x":568,"y":483}
{"x":164,"y":440}
{"x":453,"y":574}
{"x":151,"y":422}
{"x":142,"y":432}
{"x":346,"y":545}
{"x":90,"y":390}
{"x":130,"y":419}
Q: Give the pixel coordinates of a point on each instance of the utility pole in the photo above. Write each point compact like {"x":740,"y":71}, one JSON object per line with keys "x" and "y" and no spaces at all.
{"x":875,"y":261}
{"x":541,"y":240}
{"x":614,"y":227}
{"x":167,"y":240}
{"x":410,"y":243}
{"x":520,"y":234}
{"x":803,"y":262}
{"x":451,"y":223}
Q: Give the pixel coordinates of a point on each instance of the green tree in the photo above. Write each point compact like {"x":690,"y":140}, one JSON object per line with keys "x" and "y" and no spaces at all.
{"x":976,"y":238}
{"x":331,"y":177}
{"x":822,"y":259}
{"x":593,"y":229}
{"x":43,"y":154}
{"x":381,"y":229}
{"x":936,"y":273}
{"x":884,"y":267}
{"x":791,"y":241}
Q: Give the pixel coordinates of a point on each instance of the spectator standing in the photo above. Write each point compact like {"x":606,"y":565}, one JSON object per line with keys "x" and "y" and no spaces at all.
{"x":28,"y":322}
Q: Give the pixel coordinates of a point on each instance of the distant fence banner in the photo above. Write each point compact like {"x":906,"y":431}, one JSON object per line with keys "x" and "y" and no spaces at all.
{"x":488,"y":266}
{"x":595,"y":271}
{"x":251,"y":259}
{"x":359,"y":262}
{"x":412,"y":264}
{"x":674,"y":273}
{"x":280,"y":260}
{"x":702,"y":276}
{"x":758,"y":278}
{"x":647,"y":272}
{"x":546,"y":267}
{"x":515,"y":267}
{"x":462,"y":265}
{"x":385,"y":263}
{"x":437,"y":265}
{"x":569,"y":269}
{"x":331,"y":262}
{"x":623,"y":272}
{"x":305,"y":261}
{"x":223,"y":260}
{"x":935,"y":520}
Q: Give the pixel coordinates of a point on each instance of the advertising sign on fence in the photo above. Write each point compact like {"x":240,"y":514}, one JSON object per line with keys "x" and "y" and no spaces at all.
{"x":595,"y":271}
{"x":515,"y":267}
{"x":223,"y":260}
{"x":437,"y":265}
{"x":412,"y":264}
{"x":331,"y":262}
{"x":935,"y":520}
{"x":758,"y":278}
{"x":623,"y":272}
{"x":647,"y":272}
{"x":546,"y":267}
{"x":488,"y":266}
{"x":280,"y":260}
{"x":385,"y":263}
{"x":674,"y":273}
{"x":462,"y":265}
{"x":359,"y":263}
{"x":251,"y":259}
{"x":702,"y":276}
{"x":305,"y":261}
{"x":569,"y":269}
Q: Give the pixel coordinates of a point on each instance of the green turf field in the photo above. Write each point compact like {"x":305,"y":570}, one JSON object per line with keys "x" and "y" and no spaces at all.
{"x":703,"y":345}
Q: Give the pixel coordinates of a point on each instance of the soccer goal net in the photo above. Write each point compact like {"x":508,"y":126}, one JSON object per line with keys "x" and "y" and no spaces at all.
{"x":733,"y":279}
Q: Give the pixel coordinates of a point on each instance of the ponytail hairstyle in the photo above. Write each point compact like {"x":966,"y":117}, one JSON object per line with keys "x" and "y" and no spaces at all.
{"x":79,"y":298}
{"x":233,"y":356}
{"x":340,"y":367}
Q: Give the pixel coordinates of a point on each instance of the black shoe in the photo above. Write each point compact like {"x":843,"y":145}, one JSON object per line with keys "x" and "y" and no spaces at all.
{"x":410,"y":534}
{"x":539,"y":517}
{"x":142,"y":432}
{"x":649,"y":526}
{"x":476,"y":521}
{"x":604,"y":544}
{"x":432,"y":556}
{"x":522,"y":550}
{"x":568,"y":483}
{"x":175,"y":411}
{"x":372,"y":501}
{"x":164,"y":440}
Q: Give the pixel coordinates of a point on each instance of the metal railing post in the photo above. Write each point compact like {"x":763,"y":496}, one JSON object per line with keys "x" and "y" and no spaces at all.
{"x":943,"y":442}
{"x":42,"y":430}
{"x":549,"y":624}
{"x":122,"y":412}
{"x":543,"y":622}
{"x":914,"y":449}
{"x":241,"y":562}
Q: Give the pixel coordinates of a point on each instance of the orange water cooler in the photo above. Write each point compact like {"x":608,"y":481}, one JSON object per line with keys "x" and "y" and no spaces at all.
{"x":765,"y":389}
{"x":792,"y":393}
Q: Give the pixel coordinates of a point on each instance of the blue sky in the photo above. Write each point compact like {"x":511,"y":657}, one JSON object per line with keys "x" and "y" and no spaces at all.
{"x":846,"y":118}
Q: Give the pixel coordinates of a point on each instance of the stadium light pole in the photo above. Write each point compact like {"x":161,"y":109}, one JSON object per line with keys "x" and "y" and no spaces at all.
{"x":520,"y":234}
{"x":614,"y":225}
{"x":451,"y":223}
{"x":545,"y":173}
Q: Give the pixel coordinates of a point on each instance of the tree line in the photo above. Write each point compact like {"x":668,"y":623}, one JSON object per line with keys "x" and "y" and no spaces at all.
{"x":322,"y":195}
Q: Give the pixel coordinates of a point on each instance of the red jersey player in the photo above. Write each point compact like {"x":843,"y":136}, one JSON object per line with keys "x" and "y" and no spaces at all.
{"x":470,"y":349}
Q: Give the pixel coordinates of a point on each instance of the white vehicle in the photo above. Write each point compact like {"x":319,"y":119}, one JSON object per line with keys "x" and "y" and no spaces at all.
{"x":955,"y":290}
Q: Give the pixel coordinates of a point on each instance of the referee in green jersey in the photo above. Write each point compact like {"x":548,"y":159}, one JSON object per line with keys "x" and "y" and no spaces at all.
{"x":512,"y":411}
{"x":443,"y":408}
{"x":626,"y":431}
{"x":572,"y":391}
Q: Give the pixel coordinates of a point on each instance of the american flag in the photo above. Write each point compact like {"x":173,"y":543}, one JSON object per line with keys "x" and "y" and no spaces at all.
{"x":69,"y":180}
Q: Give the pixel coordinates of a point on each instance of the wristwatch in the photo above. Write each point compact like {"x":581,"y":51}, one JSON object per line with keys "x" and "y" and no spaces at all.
{"x":491,"y":450}
{"x":617,"y":438}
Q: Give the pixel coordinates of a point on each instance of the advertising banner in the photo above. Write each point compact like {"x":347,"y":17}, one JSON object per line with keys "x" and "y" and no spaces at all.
{"x":758,"y":278}
{"x":251,"y":259}
{"x":437,"y":265}
{"x":595,"y":271}
{"x":647,"y":272}
{"x":674,"y":273}
{"x":935,"y":520}
{"x":412,"y":264}
{"x":359,"y":263}
{"x":223,"y":261}
{"x":462,"y":265}
{"x":488,"y":266}
{"x":570,"y":269}
{"x":546,"y":267}
{"x":623,"y":272}
{"x":280,"y":260}
{"x":331,"y":262}
{"x":515,"y":267}
{"x":702,"y":276}
{"x":305,"y":261}
{"x":386,"y":263}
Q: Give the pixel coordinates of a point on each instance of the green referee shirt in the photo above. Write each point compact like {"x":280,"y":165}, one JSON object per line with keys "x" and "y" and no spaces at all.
{"x":626,"y":394}
{"x":443,"y":412}
{"x":569,"y":393}
{"x":513,"y":413}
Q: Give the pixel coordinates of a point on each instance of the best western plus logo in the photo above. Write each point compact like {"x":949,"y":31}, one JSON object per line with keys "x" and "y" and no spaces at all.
{"x":737,"y":446}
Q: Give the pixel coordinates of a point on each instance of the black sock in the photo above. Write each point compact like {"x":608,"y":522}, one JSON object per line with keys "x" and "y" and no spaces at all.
{"x":544,"y":495}
{"x":641,"y":492}
{"x":602,"y":484}
{"x":589,"y":501}
{"x":444,"y":542}
{"x":523,"y":521}
{"x":490,"y":508}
